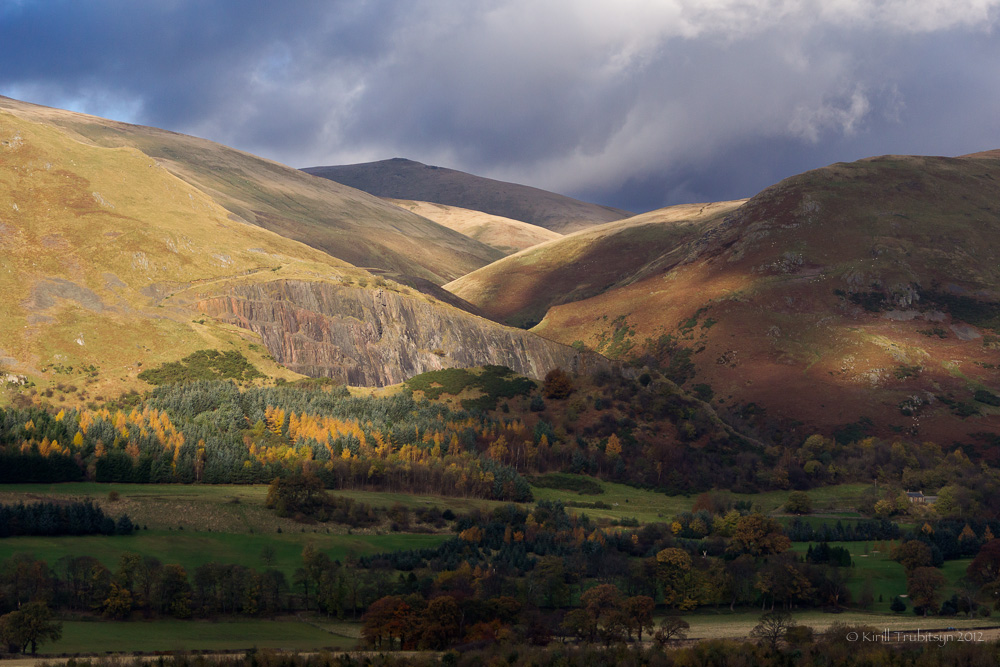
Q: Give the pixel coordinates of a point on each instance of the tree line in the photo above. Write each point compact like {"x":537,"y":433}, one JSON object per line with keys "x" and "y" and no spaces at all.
{"x":51,"y":519}
{"x":643,"y":432}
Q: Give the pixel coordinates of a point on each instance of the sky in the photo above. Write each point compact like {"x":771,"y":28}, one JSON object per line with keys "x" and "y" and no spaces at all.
{"x":637,"y":104}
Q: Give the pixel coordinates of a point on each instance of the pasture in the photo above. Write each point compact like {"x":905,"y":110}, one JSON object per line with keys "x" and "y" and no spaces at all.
{"x":173,"y":635}
{"x":872,"y":560}
{"x":192,"y":548}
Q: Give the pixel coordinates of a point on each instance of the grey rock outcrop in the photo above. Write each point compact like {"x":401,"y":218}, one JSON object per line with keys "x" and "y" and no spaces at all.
{"x":367,"y":337}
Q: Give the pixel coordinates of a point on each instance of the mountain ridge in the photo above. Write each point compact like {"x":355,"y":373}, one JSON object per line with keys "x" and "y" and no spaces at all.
{"x":344,"y":222}
{"x":400,"y":178}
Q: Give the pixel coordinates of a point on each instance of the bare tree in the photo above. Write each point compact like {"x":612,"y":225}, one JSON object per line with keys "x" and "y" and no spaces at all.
{"x":772,"y":627}
{"x":672,"y":628}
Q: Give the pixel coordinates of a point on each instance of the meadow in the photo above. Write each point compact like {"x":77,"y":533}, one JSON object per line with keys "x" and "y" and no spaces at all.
{"x":194,"y":548}
{"x":888,"y":578}
{"x":240,"y":508}
{"x":173,"y":635}
{"x":647,"y":506}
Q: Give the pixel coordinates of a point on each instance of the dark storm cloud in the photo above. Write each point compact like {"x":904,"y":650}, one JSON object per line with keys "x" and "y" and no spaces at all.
{"x":632,"y":103}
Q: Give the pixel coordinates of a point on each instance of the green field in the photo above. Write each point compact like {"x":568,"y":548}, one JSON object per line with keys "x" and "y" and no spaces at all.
{"x":888,"y":577}
{"x":191,"y":549}
{"x":174,"y":635}
{"x":832,"y":502}
{"x":224,"y":508}
{"x":240,"y":509}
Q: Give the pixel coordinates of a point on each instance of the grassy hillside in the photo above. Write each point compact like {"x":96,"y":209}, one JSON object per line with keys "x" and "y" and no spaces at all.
{"x":861,"y":298}
{"x":97,"y":240}
{"x":114,"y":237}
{"x":521,"y":288}
{"x":506,"y":235}
{"x":346,"y":223}
{"x":406,"y":179}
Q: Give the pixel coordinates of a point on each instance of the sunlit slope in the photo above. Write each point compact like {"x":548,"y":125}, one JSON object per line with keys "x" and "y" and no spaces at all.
{"x":405,"y":179}
{"x":519,"y":289}
{"x":505,"y":234}
{"x":864,"y":293}
{"x":346,"y":223}
{"x":93,"y":241}
{"x":110,"y":264}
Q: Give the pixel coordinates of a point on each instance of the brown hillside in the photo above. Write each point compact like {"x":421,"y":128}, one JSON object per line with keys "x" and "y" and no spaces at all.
{"x":865,"y":293}
{"x":405,"y":179}
{"x":520,"y":289}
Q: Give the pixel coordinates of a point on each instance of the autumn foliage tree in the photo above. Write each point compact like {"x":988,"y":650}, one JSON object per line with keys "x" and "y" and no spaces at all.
{"x":985,"y":567}
{"x":388,"y":619}
{"x":924,"y":585}
{"x":758,"y":535}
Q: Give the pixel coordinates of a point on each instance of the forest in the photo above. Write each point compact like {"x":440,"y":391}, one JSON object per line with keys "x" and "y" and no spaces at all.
{"x":610,"y":426}
{"x":519,"y":574}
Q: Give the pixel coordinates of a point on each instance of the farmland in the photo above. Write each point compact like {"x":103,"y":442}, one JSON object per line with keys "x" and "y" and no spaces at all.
{"x":173,"y":635}
{"x":194,"y":525}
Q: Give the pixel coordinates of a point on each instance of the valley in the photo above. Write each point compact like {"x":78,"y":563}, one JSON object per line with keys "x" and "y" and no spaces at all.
{"x":441,"y":413}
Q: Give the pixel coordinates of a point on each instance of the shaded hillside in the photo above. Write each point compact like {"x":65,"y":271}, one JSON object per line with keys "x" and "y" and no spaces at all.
{"x":105,"y":257}
{"x":505,"y":234}
{"x":405,"y":179}
{"x":520,"y":289}
{"x":861,"y":298}
{"x":346,"y":223}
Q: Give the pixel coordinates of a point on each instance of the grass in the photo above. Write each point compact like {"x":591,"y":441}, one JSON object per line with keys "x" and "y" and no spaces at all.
{"x":219,"y":508}
{"x":192,"y":549}
{"x":626,"y":502}
{"x":887,"y":576}
{"x":174,"y":635}
{"x":723,"y":624}
{"x":240,"y":508}
{"x":148,"y":222}
{"x":647,"y":506}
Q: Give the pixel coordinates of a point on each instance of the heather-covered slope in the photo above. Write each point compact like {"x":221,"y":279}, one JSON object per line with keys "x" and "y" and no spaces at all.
{"x":405,"y":179}
{"x":859,"y":298}
{"x":520,"y":289}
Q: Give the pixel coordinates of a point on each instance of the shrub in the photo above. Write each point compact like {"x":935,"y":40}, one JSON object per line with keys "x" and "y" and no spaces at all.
{"x":555,"y":480}
{"x":703,"y":391}
{"x":203,"y":365}
{"x":558,"y":384}
{"x":987,"y":397}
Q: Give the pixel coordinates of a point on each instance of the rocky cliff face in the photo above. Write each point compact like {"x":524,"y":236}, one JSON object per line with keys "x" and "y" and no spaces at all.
{"x":378,"y":337}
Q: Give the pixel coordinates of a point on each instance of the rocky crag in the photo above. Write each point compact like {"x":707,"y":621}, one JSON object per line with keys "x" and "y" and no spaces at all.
{"x":377,"y":337}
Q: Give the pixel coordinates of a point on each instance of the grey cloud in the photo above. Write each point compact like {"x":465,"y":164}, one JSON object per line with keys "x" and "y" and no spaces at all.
{"x":636,"y":105}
